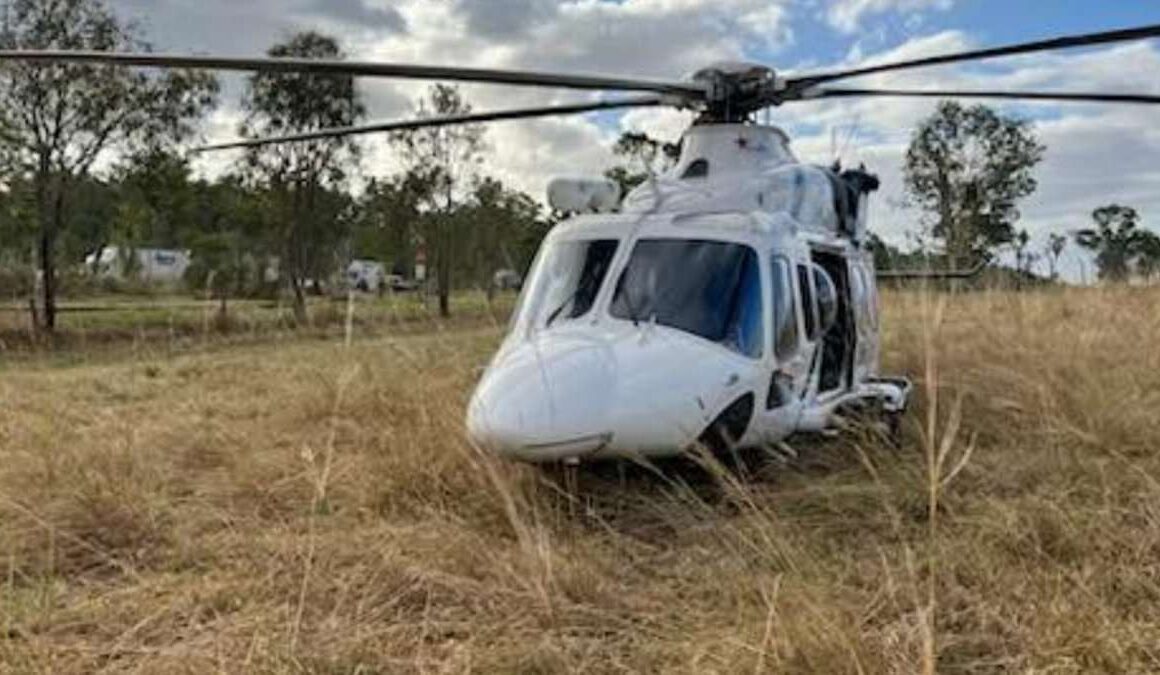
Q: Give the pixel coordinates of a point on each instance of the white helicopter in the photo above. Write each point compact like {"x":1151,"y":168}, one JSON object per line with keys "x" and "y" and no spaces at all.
{"x":731,"y":301}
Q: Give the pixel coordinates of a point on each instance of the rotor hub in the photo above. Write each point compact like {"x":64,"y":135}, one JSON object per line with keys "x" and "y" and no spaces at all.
{"x":735,"y":90}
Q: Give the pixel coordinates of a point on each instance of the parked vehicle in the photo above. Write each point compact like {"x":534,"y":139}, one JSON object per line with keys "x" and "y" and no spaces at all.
{"x":149,"y":265}
{"x":367,"y":276}
{"x":506,"y":280}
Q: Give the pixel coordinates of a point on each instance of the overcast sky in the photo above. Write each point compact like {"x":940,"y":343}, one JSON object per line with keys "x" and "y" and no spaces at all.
{"x":1096,"y":154}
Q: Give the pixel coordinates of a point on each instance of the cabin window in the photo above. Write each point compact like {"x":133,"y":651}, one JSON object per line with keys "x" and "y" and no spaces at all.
{"x":711,"y":289}
{"x":827,"y":298}
{"x":863,"y":299}
{"x":806,"y":289}
{"x":785,"y":326}
{"x":699,"y":168}
{"x":871,"y":297}
{"x":565,"y":281}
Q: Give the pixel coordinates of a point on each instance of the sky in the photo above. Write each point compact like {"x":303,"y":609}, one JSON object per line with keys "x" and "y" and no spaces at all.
{"x":1096,"y":154}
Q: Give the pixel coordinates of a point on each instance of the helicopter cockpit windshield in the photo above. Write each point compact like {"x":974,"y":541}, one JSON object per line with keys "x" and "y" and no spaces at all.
{"x":711,"y":289}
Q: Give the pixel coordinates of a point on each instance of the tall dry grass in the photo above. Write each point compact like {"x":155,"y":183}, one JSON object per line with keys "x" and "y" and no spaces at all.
{"x":313,"y":507}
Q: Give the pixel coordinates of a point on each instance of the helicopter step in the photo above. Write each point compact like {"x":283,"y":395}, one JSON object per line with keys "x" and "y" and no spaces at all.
{"x":894,"y":392}
{"x":890,"y":396}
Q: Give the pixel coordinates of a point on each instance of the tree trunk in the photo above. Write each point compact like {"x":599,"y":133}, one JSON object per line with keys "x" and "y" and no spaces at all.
{"x":296,"y":284}
{"x":294,"y":257}
{"x":48,"y":209}
{"x":444,"y":296}
{"x":48,"y":281}
{"x":444,"y":270}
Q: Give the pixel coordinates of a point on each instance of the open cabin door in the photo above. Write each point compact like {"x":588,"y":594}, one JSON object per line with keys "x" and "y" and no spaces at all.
{"x":791,"y":353}
{"x":838,"y":337}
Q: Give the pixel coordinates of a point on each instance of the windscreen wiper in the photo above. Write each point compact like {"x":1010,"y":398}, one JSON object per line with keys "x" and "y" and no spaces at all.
{"x":567,"y":301}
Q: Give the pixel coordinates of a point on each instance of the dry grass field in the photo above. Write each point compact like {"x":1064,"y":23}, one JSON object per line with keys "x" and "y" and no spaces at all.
{"x":312,"y":506}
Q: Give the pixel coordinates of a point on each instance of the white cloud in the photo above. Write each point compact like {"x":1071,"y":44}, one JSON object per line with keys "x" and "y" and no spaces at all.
{"x":847,"y":15}
{"x":663,"y":39}
{"x":1096,"y":154}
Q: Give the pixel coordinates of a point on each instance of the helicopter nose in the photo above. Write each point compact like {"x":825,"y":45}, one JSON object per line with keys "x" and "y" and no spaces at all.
{"x":545,"y":401}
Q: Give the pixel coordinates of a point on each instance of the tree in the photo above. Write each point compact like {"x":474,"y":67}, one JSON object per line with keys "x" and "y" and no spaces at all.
{"x":157,"y":183}
{"x":217,"y":265}
{"x":1055,"y":245}
{"x":57,"y":121}
{"x":1021,"y":240}
{"x":443,"y":164}
{"x":1025,"y":259}
{"x":968,"y":168}
{"x":228,"y":242}
{"x":303,"y":180}
{"x":1117,"y":241}
{"x":506,"y":230}
{"x":389,"y":224}
{"x":645,"y":157}
{"x":1148,"y":255}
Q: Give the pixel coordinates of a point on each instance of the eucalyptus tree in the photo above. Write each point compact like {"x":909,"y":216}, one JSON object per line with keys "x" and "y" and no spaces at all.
{"x":1117,"y":241}
{"x":1056,"y":243}
{"x":643,"y":157}
{"x":506,"y":229}
{"x":1148,"y":256}
{"x":58,"y":121}
{"x":446,"y":162}
{"x":309,"y":219}
{"x":389,"y":221}
{"x":968,"y":168}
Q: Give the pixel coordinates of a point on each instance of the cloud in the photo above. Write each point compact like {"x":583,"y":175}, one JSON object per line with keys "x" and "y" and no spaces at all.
{"x":358,"y":13}
{"x":664,"y":39}
{"x":847,"y":15}
{"x":248,"y":27}
{"x":510,"y":19}
{"x":1096,"y":154}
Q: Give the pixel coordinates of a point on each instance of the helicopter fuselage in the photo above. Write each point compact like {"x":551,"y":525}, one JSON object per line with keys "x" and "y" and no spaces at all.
{"x":729,"y":302}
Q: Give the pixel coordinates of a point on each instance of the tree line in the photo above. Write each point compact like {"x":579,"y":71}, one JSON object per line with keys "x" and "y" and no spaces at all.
{"x":91,"y":156}
{"x":966,"y":170}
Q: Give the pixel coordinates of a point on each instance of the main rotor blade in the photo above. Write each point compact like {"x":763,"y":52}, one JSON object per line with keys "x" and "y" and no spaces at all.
{"x":359,"y":68}
{"x":1067,"y":42}
{"x":1075,"y":97}
{"x":432,"y":122}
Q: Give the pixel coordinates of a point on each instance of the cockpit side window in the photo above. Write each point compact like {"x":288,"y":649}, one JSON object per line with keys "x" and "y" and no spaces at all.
{"x":564,"y":282}
{"x":711,"y":289}
{"x":583,"y":271}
